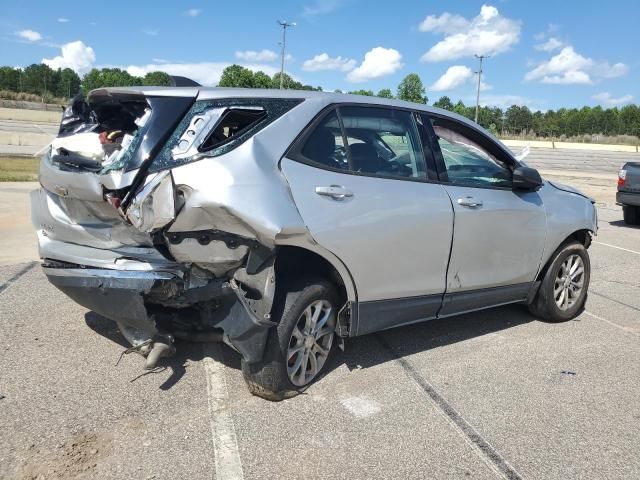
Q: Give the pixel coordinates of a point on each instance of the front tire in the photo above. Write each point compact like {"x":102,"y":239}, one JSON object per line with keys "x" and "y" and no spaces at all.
{"x":299,"y":347}
{"x":563,"y":292}
{"x":631,"y":215}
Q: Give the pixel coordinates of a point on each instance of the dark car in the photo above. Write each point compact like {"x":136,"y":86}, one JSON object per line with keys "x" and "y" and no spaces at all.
{"x":629,"y":192}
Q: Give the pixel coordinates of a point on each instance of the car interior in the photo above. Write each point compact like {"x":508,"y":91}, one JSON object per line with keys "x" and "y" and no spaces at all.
{"x":377,"y":146}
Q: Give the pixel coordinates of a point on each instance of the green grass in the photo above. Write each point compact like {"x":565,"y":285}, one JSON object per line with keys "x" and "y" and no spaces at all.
{"x":19,"y":169}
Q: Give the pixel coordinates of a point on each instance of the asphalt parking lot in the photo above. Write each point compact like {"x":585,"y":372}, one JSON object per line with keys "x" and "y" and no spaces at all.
{"x":495,"y":394}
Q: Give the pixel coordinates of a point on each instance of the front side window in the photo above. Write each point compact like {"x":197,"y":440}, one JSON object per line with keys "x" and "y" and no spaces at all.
{"x":368,"y":141}
{"x":467,"y":162}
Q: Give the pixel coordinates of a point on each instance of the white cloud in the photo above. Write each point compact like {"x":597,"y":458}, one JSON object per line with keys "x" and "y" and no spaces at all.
{"x":446,"y":23}
{"x":193,"y":12}
{"x":320,"y":7}
{"x":324,"y":62}
{"x":551,"y":29}
{"x":570,"y":68}
{"x":550,"y":45}
{"x":205,"y":73}
{"x":152,"y":32}
{"x":63,"y":20}
{"x":75,"y":55}
{"x":378,"y":62}
{"x":487,"y":34}
{"x":160,"y":60}
{"x":572,"y":77}
{"x":606,"y":99}
{"x":605,"y":70}
{"x":452,"y":78}
{"x":253,"y":56}
{"x":29,"y":35}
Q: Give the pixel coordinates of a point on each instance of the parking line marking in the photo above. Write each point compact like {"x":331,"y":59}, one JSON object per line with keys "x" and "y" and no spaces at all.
{"x":485,"y":450}
{"x":17,"y":276}
{"x":615,"y":301}
{"x":621,"y":327}
{"x":615,"y":246}
{"x":225,"y":443}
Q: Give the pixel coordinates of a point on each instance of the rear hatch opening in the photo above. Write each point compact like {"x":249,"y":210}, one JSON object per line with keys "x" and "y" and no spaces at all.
{"x":106,"y":142}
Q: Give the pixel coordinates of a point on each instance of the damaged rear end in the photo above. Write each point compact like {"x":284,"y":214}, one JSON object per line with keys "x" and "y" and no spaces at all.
{"x":144,"y":218}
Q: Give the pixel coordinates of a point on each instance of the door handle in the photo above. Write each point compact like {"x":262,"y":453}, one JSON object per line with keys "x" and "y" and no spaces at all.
{"x":470,"y":202}
{"x":334,"y":191}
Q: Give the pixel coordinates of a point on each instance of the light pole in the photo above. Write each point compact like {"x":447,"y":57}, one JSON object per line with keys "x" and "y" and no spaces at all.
{"x":479,"y":72}
{"x":284,"y":24}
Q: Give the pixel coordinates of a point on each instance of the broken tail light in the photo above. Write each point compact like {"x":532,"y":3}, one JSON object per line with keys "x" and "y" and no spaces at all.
{"x":154,"y":206}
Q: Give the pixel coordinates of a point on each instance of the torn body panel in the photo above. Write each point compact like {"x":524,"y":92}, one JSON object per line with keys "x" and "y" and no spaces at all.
{"x":182,"y":246}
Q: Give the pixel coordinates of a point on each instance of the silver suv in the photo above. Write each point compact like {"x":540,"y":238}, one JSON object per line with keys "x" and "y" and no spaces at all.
{"x":282,"y":222}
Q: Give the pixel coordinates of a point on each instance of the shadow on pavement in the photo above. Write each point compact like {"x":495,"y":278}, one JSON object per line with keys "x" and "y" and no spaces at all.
{"x":360,"y":352}
{"x":369,"y":350}
{"x":185,"y":351}
{"x":620,"y":223}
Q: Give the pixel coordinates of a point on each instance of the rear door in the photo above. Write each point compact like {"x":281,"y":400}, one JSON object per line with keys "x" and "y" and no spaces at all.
{"x":358,"y":178}
{"x":499,"y":233}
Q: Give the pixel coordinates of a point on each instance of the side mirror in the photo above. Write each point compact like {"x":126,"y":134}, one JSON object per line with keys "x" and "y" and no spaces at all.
{"x":526,"y":178}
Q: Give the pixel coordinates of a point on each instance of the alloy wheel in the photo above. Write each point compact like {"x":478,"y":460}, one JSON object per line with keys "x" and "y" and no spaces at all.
{"x":569,"y":282}
{"x":310,"y":342}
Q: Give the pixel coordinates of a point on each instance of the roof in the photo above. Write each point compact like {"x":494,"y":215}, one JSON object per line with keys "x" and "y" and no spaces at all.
{"x":206,"y":93}
{"x":323,"y":98}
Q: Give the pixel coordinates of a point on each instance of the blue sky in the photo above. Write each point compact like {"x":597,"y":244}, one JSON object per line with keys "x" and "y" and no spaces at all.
{"x":544,"y":54}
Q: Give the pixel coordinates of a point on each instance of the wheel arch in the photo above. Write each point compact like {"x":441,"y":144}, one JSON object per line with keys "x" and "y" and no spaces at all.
{"x":582,"y":236}
{"x":291,"y":259}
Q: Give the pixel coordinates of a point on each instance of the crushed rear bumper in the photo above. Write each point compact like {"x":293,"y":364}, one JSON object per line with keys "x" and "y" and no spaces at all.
{"x":114,"y":294}
{"x":154,"y":299}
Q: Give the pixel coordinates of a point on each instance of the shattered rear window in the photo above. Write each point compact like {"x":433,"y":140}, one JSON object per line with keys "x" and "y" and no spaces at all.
{"x":239,"y":119}
{"x":233,"y":123}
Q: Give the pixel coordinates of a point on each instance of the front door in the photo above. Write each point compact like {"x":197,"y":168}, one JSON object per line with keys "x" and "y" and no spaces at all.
{"x":499,"y":233}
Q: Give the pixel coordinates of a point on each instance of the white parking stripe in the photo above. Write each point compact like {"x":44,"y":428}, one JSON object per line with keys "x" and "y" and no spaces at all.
{"x":225,"y":444}
{"x":615,"y":246}
{"x":621,"y":327}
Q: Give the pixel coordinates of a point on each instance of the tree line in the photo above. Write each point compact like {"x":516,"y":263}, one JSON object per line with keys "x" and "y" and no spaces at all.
{"x":515,"y":120}
{"x":49,"y":83}
{"x":41,"y":80}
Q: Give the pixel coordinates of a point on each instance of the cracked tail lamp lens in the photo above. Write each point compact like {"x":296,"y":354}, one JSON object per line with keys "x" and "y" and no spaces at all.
{"x":154,"y":206}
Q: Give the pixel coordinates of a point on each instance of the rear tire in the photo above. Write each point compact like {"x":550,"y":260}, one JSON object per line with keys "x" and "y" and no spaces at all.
{"x":631,"y":215}
{"x":299,"y":347}
{"x":563,"y":291}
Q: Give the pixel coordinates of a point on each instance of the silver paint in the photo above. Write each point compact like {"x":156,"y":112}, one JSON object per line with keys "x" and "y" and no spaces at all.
{"x":387,"y":238}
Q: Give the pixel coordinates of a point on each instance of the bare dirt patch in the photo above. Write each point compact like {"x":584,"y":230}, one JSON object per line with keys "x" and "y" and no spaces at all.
{"x":77,"y":458}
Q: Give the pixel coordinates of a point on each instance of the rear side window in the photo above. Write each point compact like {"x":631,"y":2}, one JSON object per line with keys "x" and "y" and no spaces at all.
{"x":372,"y":141}
{"x":214,"y":127}
{"x":233,"y":122}
{"x":383,"y":142}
